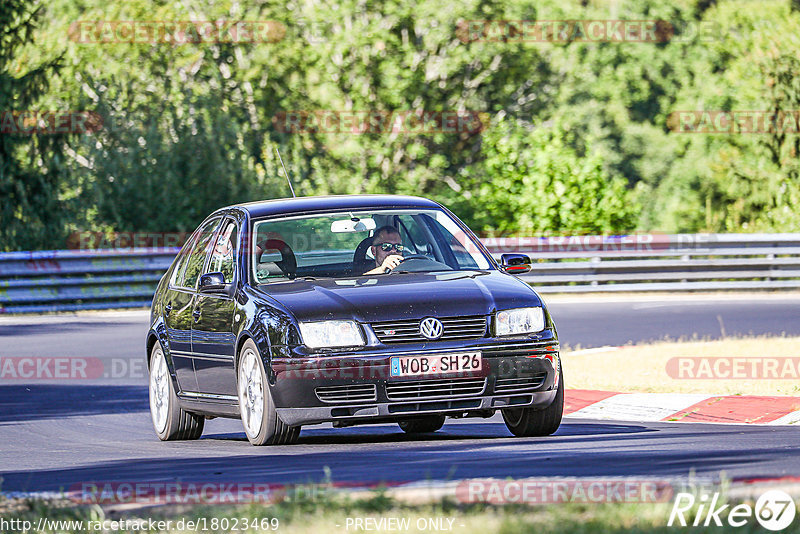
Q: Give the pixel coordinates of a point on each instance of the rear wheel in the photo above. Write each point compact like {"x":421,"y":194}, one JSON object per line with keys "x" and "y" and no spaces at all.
{"x":259,"y":417}
{"x":431,"y":423}
{"x":529,"y":422}
{"x":170,"y":421}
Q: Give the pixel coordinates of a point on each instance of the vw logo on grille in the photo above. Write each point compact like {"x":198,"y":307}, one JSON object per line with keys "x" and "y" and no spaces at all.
{"x":431,"y":328}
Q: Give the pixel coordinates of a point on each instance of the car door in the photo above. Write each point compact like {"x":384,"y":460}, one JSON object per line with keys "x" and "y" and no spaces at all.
{"x":213,"y":340}
{"x":179,"y":302}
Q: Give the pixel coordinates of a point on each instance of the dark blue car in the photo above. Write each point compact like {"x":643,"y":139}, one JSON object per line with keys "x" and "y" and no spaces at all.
{"x":349,"y":310}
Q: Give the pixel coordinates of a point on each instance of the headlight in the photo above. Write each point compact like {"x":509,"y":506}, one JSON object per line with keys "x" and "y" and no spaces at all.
{"x":327,"y":334}
{"x":519,"y":321}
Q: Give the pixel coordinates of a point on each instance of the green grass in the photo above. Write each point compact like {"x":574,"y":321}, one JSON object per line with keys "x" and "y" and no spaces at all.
{"x":328,"y":513}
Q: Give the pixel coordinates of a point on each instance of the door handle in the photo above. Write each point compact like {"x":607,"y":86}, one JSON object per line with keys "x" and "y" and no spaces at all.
{"x":196,"y":314}
{"x":168,"y":307}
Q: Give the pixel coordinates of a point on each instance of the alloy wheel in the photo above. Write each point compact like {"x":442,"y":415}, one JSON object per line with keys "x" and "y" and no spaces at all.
{"x":251,"y":392}
{"x":159,"y":391}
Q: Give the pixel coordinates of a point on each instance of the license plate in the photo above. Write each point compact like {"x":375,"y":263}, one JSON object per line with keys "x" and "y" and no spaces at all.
{"x":435,"y":364}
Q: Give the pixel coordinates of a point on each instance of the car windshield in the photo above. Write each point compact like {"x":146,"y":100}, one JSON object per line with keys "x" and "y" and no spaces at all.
{"x":345,"y":244}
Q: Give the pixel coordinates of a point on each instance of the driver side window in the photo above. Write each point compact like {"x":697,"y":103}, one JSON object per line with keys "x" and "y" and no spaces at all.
{"x":188,"y":269}
{"x":223,"y":257}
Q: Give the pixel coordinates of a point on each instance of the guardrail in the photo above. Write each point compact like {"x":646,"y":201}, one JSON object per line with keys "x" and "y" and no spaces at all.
{"x":69,"y":280}
{"x":658,"y":262}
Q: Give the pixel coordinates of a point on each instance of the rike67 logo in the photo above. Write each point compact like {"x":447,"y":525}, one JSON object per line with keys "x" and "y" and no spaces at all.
{"x":774,"y":510}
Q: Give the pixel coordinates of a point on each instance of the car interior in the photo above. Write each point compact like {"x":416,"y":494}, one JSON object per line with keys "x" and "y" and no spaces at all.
{"x":428,"y":247}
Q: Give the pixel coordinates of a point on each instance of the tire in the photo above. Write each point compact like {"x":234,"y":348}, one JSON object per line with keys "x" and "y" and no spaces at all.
{"x":259,"y":417}
{"x":530,"y":422}
{"x":170,"y":421}
{"x":423,"y":425}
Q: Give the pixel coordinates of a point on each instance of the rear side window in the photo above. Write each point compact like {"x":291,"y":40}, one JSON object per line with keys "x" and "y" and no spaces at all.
{"x":191,"y":263}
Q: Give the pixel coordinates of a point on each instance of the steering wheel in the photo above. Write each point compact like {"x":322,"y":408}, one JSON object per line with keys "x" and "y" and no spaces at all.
{"x":421,"y":263}
{"x":415,"y":257}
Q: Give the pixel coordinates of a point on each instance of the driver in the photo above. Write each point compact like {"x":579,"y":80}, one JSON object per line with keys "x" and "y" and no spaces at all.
{"x":387,"y":248}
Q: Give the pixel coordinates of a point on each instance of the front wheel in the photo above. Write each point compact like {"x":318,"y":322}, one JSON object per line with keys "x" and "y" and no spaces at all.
{"x":529,"y":422}
{"x":259,"y":417}
{"x":422,"y":425}
{"x":170,"y":421}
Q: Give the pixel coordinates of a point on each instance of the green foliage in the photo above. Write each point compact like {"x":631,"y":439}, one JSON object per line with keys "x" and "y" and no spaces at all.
{"x":31,"y":166}
{"x":536,"y":182}
{"x":185,"y":132}
{"x":577,"y":139}
{"x":737,"y":182}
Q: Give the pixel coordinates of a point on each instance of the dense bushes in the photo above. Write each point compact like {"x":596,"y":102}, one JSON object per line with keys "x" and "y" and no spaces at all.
{"x":576,"y":137}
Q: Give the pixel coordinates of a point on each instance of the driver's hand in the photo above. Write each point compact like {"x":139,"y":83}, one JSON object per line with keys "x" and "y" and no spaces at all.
{"x":392,"y":261}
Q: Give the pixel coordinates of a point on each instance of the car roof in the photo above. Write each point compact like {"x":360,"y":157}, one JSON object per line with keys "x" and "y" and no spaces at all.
{"x":283,"y":206}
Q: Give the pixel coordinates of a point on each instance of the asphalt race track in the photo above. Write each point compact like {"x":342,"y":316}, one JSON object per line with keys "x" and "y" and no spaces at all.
{"x":64,"y":452}
{"x":58,"y":434}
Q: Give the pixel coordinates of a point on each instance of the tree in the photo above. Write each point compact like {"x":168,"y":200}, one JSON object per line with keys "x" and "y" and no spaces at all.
{"x":31,"y":164}
{"x":735,"y":181}
{"x":535,"y":183}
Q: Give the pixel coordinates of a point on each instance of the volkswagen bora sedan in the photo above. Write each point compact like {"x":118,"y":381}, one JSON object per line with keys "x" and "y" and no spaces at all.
{"x":348,"y":310}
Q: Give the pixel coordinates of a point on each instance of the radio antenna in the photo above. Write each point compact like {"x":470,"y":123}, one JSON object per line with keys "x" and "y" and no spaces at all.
{"x":285,"y":173}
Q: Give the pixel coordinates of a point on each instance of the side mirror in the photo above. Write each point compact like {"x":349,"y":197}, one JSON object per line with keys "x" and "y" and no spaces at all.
{"x":515,"y":263}
{"x":213,"y":283}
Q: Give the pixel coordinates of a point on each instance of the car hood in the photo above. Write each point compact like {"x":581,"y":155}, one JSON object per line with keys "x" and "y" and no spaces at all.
{"x":402,"y":296}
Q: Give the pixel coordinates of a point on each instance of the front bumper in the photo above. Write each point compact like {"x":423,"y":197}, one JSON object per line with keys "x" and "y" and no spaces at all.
{"x":358,"y":388}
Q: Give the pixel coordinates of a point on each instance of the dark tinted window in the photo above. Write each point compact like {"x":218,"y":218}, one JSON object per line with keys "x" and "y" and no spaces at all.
{"x":189,"y":266}
{"x":223,"y":258}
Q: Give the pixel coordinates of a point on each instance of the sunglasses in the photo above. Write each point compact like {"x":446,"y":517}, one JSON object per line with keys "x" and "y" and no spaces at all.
{"x":386,"y":247}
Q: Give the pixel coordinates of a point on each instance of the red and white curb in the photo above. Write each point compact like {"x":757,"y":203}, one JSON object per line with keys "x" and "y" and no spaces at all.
{"x":682,"y":407}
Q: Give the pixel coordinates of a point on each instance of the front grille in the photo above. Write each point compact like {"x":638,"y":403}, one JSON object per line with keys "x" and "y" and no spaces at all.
{"x":519,"y":384}
{"x":435,"y":389}
{"x":345,"y":394}
{"x":466,"y":327}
